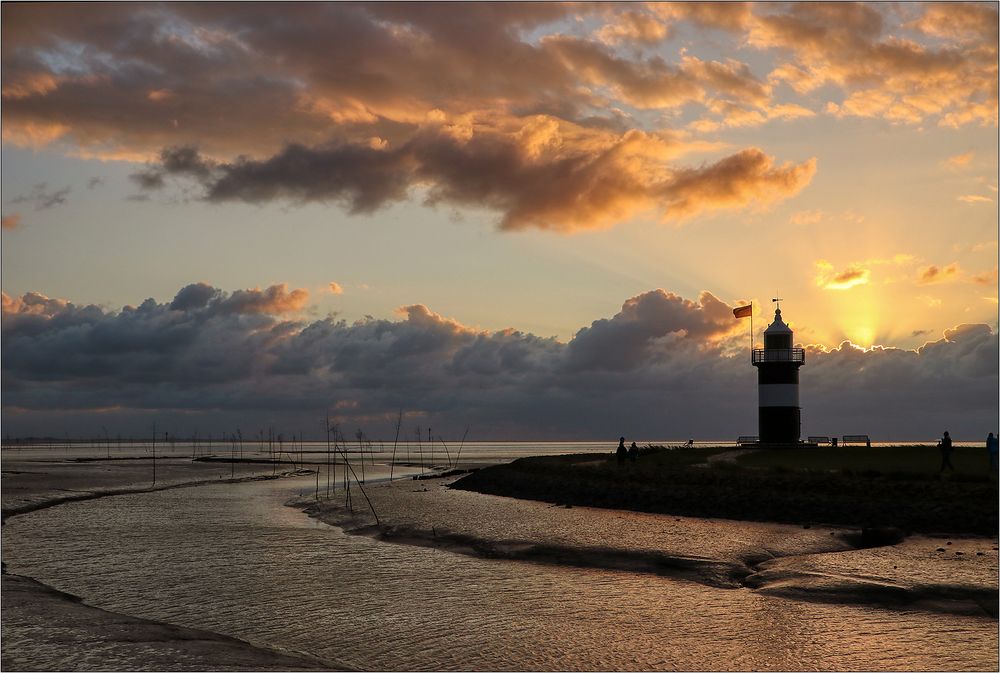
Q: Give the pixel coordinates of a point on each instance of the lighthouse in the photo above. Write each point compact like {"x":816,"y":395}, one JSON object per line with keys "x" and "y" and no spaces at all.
{"x":777,"y":363}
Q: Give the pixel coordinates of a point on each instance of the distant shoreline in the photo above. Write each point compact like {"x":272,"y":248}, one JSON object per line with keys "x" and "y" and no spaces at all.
{"x":715,"y":483}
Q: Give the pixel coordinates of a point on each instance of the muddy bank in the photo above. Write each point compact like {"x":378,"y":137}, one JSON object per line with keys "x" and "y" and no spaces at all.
{"x":52,"y":501}
{"x":678,"y":485}
{"x":816,"y":564}
{"x":45,"y":629}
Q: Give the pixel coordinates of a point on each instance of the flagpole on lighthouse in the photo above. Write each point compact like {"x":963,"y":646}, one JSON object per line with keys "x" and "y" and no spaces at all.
{"x":743,"y":312}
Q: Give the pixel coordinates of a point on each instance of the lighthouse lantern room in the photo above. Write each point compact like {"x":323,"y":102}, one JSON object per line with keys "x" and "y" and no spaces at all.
{"x":777,"y":363}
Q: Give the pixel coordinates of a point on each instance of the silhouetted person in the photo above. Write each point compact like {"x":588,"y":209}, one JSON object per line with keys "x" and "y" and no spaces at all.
{"x":945,"y":446}
{"x":622,"y":452}
{"x":991,"y":448}
{"x":633,"y":452}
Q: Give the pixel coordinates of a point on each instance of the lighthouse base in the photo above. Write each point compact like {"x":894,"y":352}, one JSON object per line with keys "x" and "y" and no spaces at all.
{"x":779,"y":425}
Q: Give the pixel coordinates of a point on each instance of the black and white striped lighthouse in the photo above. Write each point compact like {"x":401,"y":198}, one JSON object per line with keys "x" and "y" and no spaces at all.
{"x":777,"y":363}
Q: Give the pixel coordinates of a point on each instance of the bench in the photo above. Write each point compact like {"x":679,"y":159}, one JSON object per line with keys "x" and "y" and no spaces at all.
{"x":858,"y":439}
{"x":747,"y":439}
{"x":818,"y":440}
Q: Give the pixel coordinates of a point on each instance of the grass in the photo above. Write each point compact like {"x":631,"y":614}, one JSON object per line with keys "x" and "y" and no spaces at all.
{"x":865,"y":487}
{"x":916,"y":461}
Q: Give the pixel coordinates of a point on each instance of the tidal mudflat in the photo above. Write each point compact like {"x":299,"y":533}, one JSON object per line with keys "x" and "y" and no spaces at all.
{"x":451,"y":579}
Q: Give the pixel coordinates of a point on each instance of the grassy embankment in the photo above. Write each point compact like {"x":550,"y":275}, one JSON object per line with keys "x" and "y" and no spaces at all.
{"x":851,"y":486}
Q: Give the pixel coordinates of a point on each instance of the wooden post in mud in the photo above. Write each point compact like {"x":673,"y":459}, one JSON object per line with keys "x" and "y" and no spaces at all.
{"x":420,"y":449}
{"x":361,"y":447}
{"x":327,"y":456}
{"x":446,"y":451}
{"x":459,"y":455}
{"x":154,"y":453}
{"x":392,"y":463}
{"x":367,"y":499}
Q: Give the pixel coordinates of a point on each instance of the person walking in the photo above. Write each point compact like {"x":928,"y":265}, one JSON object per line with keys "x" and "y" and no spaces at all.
{"x":991,"y":449}
{"x":622,"y":451}
{"x":945,"y":446}
{"x":633,"y":452}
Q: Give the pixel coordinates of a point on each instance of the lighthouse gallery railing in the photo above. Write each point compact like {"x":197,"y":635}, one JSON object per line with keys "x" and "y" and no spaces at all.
{"x":778,"y":355}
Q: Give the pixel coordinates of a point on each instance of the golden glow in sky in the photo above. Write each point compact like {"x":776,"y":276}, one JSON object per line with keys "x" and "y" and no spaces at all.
{"x":512,"y":165}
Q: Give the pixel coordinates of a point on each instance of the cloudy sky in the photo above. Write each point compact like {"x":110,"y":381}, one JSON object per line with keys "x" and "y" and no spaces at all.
{"x":530,"y":218}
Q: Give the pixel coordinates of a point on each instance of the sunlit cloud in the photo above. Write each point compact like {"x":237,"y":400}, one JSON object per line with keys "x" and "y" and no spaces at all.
{"x":847,"y":45}
{"x":633,"y":27}
{"x":959,"y":160}
{"x":985,"y":246}
{"x":974,"y":198}
{"x":829,"y":278}
{"x":553,"y":176}
{"x":335,"y":288}
{"x":937,"y":274}
{"x":807,"y":217}
{"x":986,"y":277}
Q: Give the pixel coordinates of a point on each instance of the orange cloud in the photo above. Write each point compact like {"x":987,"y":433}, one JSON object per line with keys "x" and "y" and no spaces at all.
{"x":335,"y":288}
{"x":806,"y":217}
{"x":10,"y":222}
{"x":974,"y":198}
{"x":157,"y":95}
{"x":830,"y":279}
{"x":747,"y":177}
{"x":845,"y":44}
{"x":31,"y":303}
{"x":986,"y":278}
{"x":966,"y":21}
{"x":731,"y":16}
{"x":541,"y":173}
{"x":419,"y":315}
{"x":960,"y":160}
{"x":30,"y":84}
{"x":633,"y":27}
{"x":935,"y":274}
{"x":273,"y":300}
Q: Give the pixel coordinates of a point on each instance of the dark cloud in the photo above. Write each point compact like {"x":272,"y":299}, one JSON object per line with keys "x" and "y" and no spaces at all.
{"x":94,"y":182}
{"x":42,"y":198}
{"x":530,"y":178}
{"x":664,"y":366}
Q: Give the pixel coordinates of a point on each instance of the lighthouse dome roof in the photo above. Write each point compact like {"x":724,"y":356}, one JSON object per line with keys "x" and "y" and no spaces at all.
{"x":778,"y":326}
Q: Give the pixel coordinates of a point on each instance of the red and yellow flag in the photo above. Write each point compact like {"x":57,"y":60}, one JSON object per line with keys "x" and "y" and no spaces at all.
{"x":743,"y":311}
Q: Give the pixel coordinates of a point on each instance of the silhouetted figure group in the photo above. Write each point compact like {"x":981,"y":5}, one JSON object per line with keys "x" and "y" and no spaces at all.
{"x":622,"y":453}
{"x":945,"y":447}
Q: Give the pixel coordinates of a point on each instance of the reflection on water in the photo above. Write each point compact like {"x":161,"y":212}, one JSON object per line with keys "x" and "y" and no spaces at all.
{"x":232,"y":559}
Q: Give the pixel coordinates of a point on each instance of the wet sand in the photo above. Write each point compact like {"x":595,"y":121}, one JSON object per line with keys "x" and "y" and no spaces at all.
{"x":82,"y":637}
{"x":813,"y":563}
{"x":46,"y":629}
